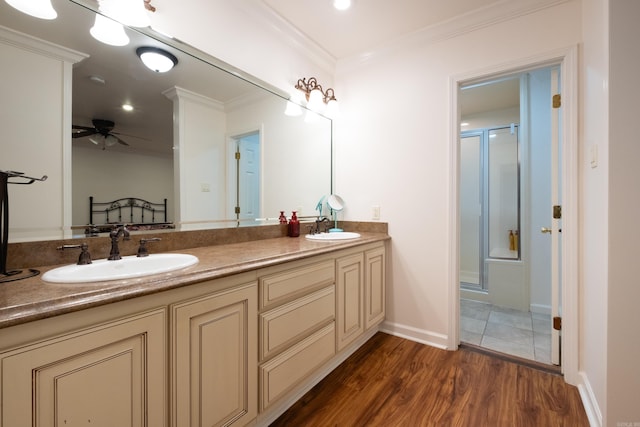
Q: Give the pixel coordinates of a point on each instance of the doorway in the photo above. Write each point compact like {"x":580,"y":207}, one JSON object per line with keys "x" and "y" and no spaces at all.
{"x":245,"y":177}
{"x":506,"y":183}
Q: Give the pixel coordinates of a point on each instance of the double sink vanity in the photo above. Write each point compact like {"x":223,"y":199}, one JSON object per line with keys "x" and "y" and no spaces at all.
{"x":233,"y":339}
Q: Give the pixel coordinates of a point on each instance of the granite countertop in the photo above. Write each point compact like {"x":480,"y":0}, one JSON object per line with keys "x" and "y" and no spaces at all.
{"x":33,"y":299}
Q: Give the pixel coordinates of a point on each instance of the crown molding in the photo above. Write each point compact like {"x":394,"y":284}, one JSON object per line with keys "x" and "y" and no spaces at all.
{"x":497,"y":12}
{"x":42,"y":47}
{"x":290,"y":35}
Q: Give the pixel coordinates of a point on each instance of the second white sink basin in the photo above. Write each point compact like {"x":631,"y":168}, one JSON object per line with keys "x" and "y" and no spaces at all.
{"x":126,"y":268}
{"x":328,"y":237}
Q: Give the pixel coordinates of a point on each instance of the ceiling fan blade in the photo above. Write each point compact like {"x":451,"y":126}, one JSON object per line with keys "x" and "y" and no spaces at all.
{"x":120,"y":141}
{"x":129,"y":135}
{"x":82,"y":127}
{"x":96,"y":139}
{"x":83,"y":133}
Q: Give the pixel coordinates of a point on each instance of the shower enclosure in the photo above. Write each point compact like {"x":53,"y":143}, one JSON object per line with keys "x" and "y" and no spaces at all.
{"x":490,"y":244}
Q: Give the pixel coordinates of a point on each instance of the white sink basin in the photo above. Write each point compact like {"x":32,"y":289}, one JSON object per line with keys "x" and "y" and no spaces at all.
{"x":332,"y":237}
{"x":126,"y":268}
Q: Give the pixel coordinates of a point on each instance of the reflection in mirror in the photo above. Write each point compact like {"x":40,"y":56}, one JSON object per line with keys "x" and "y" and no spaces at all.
{"x":177,"y":141}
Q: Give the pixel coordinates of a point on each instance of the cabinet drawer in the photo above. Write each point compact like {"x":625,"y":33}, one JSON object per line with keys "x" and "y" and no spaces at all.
{"x":280,"y":287}
{"x":288,"y":369}
{"x":291,"y":322}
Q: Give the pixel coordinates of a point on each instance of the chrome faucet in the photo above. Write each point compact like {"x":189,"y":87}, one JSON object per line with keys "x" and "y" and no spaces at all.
{"x":118,"y":230}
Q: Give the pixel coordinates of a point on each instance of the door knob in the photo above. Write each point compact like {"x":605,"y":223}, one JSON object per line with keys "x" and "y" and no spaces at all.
{"x":545,"y":230}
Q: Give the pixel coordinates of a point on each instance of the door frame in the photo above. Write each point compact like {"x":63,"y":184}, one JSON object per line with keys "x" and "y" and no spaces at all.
{"x":567,"y":59}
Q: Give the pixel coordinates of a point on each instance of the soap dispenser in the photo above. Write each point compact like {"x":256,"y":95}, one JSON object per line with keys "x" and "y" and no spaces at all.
{"x":294,"y":225}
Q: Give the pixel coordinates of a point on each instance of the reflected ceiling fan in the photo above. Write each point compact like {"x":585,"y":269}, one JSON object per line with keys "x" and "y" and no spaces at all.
{"x":100,"y":133}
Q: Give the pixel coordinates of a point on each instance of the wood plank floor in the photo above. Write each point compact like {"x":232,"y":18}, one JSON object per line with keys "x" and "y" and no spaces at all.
{"x":392,"y":381}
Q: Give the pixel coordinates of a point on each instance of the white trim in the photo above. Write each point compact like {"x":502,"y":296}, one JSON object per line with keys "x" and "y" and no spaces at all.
{"x":568,"y":59}
{"x":589,"y":401}
{"x":540,"y":309}
{"x":290,"y":34}
{"x":422,"y":336}
{"x":492,"y":14}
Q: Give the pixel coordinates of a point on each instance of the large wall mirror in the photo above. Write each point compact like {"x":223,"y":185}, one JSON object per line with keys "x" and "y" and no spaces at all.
{"x":178,"y":143}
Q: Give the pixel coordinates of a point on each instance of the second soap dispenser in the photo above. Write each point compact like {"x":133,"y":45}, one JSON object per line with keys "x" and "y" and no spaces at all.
{"x":294,"y":225}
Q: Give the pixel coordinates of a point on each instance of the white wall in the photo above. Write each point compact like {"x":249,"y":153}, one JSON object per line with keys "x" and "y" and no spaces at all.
{"x":293,"y":148}
{"x":623,"y":339}
{"x":199,"y":159}
{"x":111,"y":175}
{"x":594,"y":214}
{"x":395,"y":141}
{"x":247,"y":35}
{"x":36,"y":81}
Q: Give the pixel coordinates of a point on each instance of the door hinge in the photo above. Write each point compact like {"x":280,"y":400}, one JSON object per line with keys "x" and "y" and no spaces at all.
{"x":557,"y":212}
{"x":557,"y":101}
{"x":237,"y":209}
{"x":557,"y":323}
{"x":237,"y":155}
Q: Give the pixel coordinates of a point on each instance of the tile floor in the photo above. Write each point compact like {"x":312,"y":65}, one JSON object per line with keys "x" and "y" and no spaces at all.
{"x":506,"y":330}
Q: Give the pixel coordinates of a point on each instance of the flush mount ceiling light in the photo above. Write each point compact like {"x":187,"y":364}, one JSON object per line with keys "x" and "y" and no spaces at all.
{"x":318,"y":99}
{"x":156,"y":59}
{"x":39,"y":8}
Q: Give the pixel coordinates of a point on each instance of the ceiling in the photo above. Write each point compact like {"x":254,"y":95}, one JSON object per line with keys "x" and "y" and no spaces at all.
{"x":368,"y":23}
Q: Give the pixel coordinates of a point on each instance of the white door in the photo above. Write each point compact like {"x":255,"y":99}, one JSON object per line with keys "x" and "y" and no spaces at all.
{"x":248,"y":196}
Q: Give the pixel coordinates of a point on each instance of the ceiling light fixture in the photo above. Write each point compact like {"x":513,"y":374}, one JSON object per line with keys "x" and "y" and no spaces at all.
{"x":39,"y":8}
{"x":319,"y":100}
{"x":156,"y":59}
{"x":109,"y":31}
{"x":342,"y":4}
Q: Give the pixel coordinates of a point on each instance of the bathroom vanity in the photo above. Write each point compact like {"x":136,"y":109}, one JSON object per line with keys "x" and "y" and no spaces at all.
{"x":233,"y":340}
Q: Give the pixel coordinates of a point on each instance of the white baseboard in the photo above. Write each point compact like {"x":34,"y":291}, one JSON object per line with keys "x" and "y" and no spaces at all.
{"x":589,"y":401}
{"x":433,"y":339}
{"x":540,"y":308}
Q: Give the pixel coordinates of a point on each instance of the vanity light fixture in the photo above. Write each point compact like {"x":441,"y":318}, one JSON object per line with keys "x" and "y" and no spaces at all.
{"x":156,"y":59}
{"x":38,"y":8}
{"x":318,"y":99}
{"x":132,"y":13}
{"x":108,"y":31}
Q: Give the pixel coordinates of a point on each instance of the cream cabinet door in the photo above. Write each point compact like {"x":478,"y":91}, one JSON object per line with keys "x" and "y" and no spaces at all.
{"x":350,"y":299}
{"x":108,"y":375}
{"x":374,"y":289}
{"x":214,"y":363}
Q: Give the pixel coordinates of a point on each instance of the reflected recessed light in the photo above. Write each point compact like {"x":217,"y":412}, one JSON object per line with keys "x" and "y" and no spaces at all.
{"x":342,"y":4}
{"x":127,"y":107}
{"x":464,"y":124}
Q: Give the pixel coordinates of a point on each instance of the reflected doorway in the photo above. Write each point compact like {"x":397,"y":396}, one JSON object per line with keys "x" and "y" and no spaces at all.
{"x":246,"y":171}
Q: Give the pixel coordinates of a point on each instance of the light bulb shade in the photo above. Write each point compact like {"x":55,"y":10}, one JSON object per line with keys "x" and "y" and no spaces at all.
{"x":39,"y":8}
{"x":110,"y":140}
{"x":128,"y":12}
{"x":156,"y":59}
{"x":292,"y":109}
{"x":333,"y":110}
{"x":316,"y":102}
{"x":109,"y":31}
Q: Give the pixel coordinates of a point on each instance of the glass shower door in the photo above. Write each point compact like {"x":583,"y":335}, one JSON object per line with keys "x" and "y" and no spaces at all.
{"x":503,"y":194}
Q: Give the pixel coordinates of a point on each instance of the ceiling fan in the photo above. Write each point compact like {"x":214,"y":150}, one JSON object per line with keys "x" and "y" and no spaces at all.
{"x":100,"y":133}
